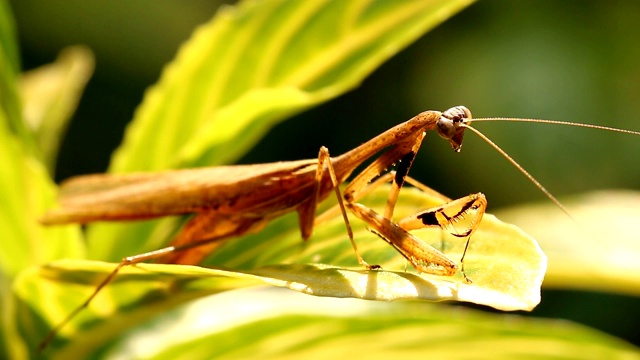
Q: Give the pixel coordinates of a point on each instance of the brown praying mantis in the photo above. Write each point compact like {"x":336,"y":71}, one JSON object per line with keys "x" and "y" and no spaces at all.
{"x":229,"y":201}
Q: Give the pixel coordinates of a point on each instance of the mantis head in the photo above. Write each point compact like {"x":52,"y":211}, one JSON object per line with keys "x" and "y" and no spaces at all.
{"x":450,"y":126}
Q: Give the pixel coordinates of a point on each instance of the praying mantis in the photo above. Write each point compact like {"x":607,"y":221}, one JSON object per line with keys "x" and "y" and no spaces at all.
{"x":229,"y":201}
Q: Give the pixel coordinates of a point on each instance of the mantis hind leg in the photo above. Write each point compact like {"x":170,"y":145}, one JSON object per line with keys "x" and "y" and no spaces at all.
{"x":206,"y":231}
{"x":307,"y":210}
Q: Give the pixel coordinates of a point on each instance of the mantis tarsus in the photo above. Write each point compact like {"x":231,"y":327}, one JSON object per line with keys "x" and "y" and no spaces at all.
{"x":230,"y":201}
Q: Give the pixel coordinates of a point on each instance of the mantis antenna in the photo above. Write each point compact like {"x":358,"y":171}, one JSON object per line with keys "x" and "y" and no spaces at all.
{"x":539,"y":121}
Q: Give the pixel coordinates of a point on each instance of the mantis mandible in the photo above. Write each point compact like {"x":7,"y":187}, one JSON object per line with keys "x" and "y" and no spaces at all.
{"x":229,"y":201}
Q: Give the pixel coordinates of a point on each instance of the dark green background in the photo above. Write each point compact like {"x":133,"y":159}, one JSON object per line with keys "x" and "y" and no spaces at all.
{"x":570,"y":60}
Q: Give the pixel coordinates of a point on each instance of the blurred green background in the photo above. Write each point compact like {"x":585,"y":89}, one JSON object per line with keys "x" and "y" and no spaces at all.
{"x":572,"y":60}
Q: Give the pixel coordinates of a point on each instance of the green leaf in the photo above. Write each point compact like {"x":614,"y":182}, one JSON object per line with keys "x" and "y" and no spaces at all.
{"x":259,"y":62}
{"x":12,"y":345}
{"x":507,"y":268}
{"x":50,"y":96}
{"x":26,"y":192}
{"x":251,"y":66}
{"x":9,"y":69}
{"x":501,"y":259}
{"x":285,"y":325}
{"x":599,"y":251}
{"x":8,"y":43}
{"x":274,"y":323}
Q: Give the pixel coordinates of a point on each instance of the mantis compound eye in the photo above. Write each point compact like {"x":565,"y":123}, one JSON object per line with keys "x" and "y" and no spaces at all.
{"x":458,"y":114}
{"x":446,"y":127}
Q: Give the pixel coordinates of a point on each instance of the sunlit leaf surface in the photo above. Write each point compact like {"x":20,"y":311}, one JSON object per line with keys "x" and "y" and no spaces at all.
{"x":275,"y":323}
{"x":506,"y":265}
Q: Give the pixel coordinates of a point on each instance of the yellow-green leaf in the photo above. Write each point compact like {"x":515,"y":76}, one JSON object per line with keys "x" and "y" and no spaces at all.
{"x":9,"y":68}
{"x":506,"y":265}
{"x":26,"y":192}
{"x":232,"y":79}
{"x":284,"y":324}
{"x":50,"y":95}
